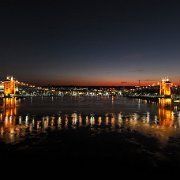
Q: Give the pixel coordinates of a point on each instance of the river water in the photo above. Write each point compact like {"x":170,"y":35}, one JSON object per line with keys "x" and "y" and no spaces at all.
{"x":41,"y":120}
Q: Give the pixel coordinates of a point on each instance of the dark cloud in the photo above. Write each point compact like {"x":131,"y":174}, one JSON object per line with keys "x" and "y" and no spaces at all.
{"x":138,"y":70}
{"x":149,"y":80}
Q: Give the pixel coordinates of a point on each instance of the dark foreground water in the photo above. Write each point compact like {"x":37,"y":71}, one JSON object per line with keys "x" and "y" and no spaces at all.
{"x":136,"y":133}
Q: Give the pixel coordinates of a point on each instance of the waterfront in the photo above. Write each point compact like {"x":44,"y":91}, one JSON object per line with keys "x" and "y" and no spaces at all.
{"x":91,"y":127}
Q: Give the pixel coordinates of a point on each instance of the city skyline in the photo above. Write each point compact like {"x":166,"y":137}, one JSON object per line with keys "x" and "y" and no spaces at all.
{"x":93,"y":43}
{"x":122,"y":84}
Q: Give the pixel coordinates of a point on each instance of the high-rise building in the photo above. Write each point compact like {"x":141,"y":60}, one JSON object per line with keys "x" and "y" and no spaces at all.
{"x":165,"y":87}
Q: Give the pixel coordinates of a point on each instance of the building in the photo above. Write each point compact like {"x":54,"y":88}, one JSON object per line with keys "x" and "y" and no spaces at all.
{"x":9,"y":87}
{"x":165,"y":87}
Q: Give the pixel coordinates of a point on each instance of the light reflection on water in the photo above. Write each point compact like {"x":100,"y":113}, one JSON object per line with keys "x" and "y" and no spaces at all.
{"x":158,"y":120}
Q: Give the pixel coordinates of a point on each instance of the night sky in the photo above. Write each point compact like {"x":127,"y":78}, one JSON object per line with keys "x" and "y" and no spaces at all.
{"x":90,"y":42}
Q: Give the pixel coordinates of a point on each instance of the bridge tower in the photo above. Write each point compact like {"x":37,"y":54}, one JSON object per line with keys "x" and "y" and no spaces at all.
{"x":9,"y":87}
{"x":165,"y":87}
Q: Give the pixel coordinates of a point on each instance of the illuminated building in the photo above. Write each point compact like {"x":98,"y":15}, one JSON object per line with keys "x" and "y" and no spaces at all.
{"x":165,"y":88}
{"x":9,"y":87}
